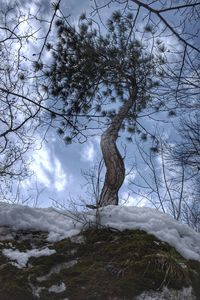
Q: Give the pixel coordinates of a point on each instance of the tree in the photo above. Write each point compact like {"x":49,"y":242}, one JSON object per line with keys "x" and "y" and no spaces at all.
{"x":170,"y":182}
{"x":15,"y":139}
{"x":187,"y":151}
{"x":94,"y":181}
{"x":162,"y":184}
{"x":178,"y":26}
{"x":190,"y":213}
{"x":20,"y":113}
{"x":91,"y":70}
{"x":101,"y":80}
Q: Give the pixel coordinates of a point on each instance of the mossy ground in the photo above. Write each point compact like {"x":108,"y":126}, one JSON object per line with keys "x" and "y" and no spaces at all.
{"x":109,"y":264}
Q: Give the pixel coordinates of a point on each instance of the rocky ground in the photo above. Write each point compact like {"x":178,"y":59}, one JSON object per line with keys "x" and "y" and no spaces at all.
{"x":96,"y":264}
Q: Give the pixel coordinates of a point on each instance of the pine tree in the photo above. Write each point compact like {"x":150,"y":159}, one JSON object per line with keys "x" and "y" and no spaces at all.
{"x":91,"y":70}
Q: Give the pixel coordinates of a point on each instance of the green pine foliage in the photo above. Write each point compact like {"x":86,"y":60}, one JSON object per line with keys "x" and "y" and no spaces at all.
{"x":91,"y":69}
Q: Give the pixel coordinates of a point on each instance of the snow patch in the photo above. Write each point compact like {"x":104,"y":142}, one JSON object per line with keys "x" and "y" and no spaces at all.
{"x":57,"y":288}
{"x":182,"y":237}
{"x":66,"y":224}
{"x":36,"y":290}
{"x":57,"y":268}
{"x":59,"y":225}
{"x":77,"y":239}
{"x":5,"y":234}
{"x":23,"y":257}
{"x":166,"y":294}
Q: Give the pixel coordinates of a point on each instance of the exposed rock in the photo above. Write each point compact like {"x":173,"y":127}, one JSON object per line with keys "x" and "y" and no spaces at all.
{"x":96,"y":264}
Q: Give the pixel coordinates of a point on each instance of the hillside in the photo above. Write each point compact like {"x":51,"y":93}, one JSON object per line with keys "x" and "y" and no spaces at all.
{"x":133,"y":253}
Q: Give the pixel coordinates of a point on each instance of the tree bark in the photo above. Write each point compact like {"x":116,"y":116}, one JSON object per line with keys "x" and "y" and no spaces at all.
{"x":115,"y":169}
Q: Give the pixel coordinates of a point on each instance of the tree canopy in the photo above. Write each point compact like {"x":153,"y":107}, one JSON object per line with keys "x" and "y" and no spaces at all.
{"x":99,"y":77}
{"x":91,"y":70}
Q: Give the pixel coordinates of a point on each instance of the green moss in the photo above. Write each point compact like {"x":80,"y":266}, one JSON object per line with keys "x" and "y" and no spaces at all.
{"x":109,"y":264}
{"x":14,"y":284}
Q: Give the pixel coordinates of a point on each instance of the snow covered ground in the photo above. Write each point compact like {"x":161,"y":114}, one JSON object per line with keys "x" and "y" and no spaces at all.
{"x":184,"y":294}
{"x":22,"y":257}
{"x":64,"y":224}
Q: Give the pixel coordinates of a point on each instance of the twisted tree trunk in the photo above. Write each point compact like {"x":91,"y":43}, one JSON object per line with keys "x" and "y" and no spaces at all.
{"x":115,"y":169}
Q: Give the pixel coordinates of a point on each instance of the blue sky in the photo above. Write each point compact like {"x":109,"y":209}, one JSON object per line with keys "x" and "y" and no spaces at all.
{"x":57,"y":167}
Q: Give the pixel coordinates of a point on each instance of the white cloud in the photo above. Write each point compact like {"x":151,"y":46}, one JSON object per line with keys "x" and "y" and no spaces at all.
{"x":88,"y":153}
{"x":134,"y":201}
{"x":97,"y":140}
{"x":42,"y":166}
{"x":60,"y":177}
{"x":48,"y":171}
{"x":131,"y":174}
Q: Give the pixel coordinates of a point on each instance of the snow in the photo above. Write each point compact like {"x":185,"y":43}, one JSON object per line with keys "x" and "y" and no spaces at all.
{"x":57,"y":288}
{"x":182,"y":237}
{"x":166,"y":294}
{"x":22,"y":257}
{"x":24,"y":217}
{"x":57,"y":268}
{"x":60,"y":225}
{"x":36,"y":290}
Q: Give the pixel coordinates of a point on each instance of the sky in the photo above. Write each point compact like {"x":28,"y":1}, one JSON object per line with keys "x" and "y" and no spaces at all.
{"x":58,"y":167}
